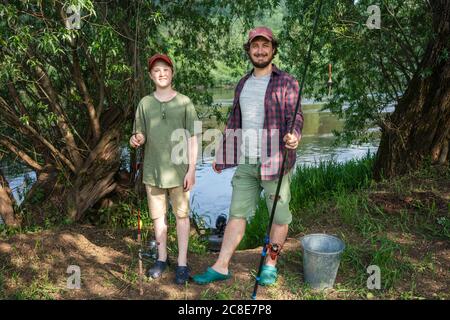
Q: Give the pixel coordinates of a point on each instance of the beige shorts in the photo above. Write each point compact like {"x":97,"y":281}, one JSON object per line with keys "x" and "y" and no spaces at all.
{"x":158,"y":201}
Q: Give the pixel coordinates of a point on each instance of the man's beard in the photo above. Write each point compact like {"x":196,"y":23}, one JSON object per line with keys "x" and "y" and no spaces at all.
{"x":261,"y":65}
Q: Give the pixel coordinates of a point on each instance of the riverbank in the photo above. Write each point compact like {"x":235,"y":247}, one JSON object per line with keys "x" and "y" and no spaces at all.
{"x":402,"y":226}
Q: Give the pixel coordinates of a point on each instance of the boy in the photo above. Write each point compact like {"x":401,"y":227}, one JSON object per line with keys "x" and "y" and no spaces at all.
{"x":157,"y":116}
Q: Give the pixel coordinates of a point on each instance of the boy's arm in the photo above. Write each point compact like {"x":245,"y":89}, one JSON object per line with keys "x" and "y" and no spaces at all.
{"x":192,"y":153}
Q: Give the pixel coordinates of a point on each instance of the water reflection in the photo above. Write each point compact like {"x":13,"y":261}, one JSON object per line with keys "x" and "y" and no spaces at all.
{"x":212,"y":193}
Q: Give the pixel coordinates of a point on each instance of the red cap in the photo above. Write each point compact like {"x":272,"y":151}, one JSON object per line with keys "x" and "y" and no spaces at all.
{"x":156,"y":57}
{"x":260,"y":32}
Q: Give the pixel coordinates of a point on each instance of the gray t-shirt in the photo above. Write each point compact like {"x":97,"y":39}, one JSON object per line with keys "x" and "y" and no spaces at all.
{"x":252,"y":110}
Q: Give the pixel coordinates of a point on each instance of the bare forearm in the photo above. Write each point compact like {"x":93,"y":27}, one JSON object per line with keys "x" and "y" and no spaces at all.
{"x":192,"y":154}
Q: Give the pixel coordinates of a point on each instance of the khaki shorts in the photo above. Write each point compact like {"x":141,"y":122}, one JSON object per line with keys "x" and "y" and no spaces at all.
{"x":158,"y":201}
{"x":247,"y":187}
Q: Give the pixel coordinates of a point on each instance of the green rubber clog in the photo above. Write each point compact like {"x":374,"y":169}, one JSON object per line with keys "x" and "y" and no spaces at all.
{"x":268,"y":276}
{"x":209,"y":276}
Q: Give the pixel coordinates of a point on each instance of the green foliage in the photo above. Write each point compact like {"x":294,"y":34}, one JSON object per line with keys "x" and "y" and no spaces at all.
{"x":121,"y":215}
{"x":313,"y":185}
{"x":371,"y":67}
{"x":41,"y":59}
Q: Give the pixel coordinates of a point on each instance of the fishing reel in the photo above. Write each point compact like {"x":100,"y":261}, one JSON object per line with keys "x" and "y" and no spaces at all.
{"x":150,"y":252}
{"x":215,"y":239}
{"x":221,"y":223}
{"x":274,"y":250}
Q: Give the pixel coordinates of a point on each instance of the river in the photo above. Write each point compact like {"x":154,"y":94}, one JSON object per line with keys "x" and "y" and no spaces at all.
{"x":212,"y":192}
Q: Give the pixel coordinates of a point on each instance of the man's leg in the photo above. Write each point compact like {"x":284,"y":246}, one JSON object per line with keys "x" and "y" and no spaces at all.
{"x":280,"y":226}
{"x":245,"y":197}
{"x":234,"y":232}
{"x":278,"y":235}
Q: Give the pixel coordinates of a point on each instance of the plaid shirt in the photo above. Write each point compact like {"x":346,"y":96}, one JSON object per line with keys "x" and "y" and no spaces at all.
{"x":279,"y":106}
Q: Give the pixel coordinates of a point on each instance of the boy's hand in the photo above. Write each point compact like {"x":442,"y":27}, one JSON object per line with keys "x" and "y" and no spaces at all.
{"x":137,"y":140}
{"x":189,"y":180}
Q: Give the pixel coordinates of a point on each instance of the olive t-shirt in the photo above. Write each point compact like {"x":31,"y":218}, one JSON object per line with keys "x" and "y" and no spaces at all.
{"x":165,"y":162}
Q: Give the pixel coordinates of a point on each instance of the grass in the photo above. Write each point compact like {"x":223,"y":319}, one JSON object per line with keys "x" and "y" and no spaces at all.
{"x":340,"y":195}
{"x":40,"y":288}
{"x":310,"y":187}
{"x":314,"y":184}
{"x":397,"y":225}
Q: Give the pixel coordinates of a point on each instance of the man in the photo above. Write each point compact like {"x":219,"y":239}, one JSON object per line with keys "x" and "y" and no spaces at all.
{"x":264,"y":104}
{"x":158,"y":115}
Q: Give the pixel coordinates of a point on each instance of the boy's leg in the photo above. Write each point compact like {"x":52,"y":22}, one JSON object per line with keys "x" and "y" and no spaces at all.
{"x":157,"y":204}
{"x":180,"y":206}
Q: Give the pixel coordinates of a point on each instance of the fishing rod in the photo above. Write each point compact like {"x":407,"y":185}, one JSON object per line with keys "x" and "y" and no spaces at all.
{"x":330,"y":81}
{"x":138,"y":167}
{"x":285,"y":152}
{"x":139,"y":239}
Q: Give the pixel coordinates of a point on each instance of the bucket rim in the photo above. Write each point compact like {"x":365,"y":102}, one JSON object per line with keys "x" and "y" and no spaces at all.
{"x":320,"y":252}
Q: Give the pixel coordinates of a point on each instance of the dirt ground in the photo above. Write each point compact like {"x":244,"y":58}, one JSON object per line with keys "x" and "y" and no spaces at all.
{"x":108,"y":266}
{"x":413,"y":212}
{"x":35,"y":265}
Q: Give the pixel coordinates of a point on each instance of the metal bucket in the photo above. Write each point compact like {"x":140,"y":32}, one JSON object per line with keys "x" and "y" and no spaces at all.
{"x":321,"y":258}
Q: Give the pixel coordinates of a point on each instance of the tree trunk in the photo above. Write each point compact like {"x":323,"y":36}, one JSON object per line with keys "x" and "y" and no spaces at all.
{"x":419,"y":128}
{"x":7,"y":203}
{"x":96,"y":179}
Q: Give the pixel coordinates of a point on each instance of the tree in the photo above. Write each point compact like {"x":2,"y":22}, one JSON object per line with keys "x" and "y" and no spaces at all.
{"x":419,"y":128}
{"x":403,"y":65}
{"x":7,"y":204}
{"x":68,"y":95}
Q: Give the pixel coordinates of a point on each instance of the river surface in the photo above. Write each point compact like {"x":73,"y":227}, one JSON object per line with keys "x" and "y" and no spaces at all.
{"x":212,"y":192}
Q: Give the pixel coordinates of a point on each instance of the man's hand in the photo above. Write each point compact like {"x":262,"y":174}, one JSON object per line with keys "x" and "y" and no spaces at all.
{"x":215,"y":169}
{"x":137,"y":140}
{"x":291,"y":141}
{"x":189,"y":180}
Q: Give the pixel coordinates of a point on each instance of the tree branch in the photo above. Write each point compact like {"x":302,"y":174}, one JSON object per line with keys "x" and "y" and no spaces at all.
{"x":46,"y":88}
{"x":13,"y":93}
{"x":8,"y":143}
{"x":93,"y":116}
{"x":13,"y":117}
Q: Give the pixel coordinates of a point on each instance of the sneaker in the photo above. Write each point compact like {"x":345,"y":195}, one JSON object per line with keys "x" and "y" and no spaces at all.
{"x":157,"y":269}
{"x":182,"y":275}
